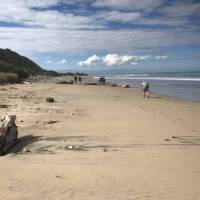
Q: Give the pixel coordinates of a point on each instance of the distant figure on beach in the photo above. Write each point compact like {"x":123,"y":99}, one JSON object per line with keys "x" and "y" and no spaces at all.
{"x":75,"y":79}
{"x":102,"y":81}
{"x":145,"y":89}
{"x":79,"y":79}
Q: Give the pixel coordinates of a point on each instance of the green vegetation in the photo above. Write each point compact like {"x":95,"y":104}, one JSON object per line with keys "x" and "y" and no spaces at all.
{"x":11,"y":63}
{"x":8,"y":78}
{"x":9,"y":68}
{"x":15,"y":68}
{"x":14,"y":61}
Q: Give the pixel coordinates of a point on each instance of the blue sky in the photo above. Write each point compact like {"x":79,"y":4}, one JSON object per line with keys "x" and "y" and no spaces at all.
{"x":146,"y":35}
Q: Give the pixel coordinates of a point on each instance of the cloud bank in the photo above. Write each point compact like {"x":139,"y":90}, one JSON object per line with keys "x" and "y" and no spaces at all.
{"x":60,"y":62}
{"x":82,"y":27}
{"x":118,"y":60}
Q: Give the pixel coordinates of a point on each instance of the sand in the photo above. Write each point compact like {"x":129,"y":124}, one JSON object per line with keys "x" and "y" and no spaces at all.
{"x":99,"y":143}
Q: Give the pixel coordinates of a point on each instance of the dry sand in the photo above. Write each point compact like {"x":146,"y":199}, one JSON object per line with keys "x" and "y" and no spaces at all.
{"x":100,"y":143}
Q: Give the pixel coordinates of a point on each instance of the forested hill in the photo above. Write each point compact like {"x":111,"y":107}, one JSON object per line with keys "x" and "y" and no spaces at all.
{"x":12,"y":62}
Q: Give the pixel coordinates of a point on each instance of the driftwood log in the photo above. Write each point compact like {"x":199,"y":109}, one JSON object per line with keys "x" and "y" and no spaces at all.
{"x":8,"y":133}
{"x":125,"y":86}
{"x":50,"y":99}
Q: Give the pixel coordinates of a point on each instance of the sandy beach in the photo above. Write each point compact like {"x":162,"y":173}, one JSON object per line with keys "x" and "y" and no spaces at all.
{"x":100,"y":143}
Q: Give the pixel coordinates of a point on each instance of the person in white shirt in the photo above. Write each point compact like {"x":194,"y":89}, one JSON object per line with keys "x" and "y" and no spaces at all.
{"x":145,"y":89}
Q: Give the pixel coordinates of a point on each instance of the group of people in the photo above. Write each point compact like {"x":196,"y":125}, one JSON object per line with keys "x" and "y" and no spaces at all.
{"x":146,"y":86}
{"x":77,"y":79}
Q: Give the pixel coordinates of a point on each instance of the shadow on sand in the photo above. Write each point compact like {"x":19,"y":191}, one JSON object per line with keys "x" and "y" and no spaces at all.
{"x":22,"y":142}
{"x":155,"y":97}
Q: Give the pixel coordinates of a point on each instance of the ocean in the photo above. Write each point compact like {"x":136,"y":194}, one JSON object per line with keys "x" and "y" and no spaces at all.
{"x":184,"y":85}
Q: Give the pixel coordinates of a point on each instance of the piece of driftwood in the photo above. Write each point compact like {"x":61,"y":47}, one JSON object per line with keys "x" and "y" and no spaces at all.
{"x":65,"y":82}
{"x":3,"y":106}
{"x":90,"y":83}
{"x":125,"y":86}
{"x":50,"y":99}
{"x":8,"y":133}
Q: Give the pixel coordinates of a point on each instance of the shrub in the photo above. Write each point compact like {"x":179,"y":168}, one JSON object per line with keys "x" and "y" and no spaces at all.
{"x":8,"y":78}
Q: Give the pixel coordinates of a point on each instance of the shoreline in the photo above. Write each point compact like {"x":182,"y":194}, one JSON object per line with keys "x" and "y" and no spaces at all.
{"x":186,"y":87}
{"x":110,"y":82}
{"x":90,"y":80}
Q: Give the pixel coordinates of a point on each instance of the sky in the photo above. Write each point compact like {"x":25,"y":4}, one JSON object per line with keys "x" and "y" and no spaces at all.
{"x":84,"y":35}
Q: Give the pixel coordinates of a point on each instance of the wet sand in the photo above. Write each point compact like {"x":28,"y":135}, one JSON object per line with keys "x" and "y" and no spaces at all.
{"x":100,"y":142}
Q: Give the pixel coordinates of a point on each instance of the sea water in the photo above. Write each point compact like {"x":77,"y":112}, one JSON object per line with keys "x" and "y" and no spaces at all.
{"x":184,"y":85}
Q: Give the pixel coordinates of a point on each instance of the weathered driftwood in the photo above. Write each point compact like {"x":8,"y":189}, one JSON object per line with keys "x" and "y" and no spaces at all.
{"x":50,"y":99}
{"x":125,"y":86}
{"x":65,"y":82}
{"x":8,"y":133}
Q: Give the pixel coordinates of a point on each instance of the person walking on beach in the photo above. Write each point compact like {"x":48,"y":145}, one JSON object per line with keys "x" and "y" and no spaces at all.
{"x":145,"y":89}
{"x":75,"y":79}
{"x":79,"y":79}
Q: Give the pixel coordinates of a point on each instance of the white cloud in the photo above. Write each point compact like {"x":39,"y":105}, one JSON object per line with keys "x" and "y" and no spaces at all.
{"x":161,"y":57}
{"x":182,"y":9}
{"x":118,"y":60}
{"x":118,"y":16}
{"x":41,"y":3}
{"x":164,"y":21}
{"x":16,"y":11}
{"x":20,"y":12}
{"x":134,"y":63}
{"x":85,"y":41}
{"x":62,"y":62}
{"x":128,"y":4}
{"x":113,"y":60}
{"x":54,"y":31}
{"x":49,"y":61}
{"x":90,"y":61}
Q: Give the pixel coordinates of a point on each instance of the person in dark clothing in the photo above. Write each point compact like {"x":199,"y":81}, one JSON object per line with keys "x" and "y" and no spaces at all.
{"x":102,"y":81}
{"x":75,"y":79}
{"x":79,"y":79}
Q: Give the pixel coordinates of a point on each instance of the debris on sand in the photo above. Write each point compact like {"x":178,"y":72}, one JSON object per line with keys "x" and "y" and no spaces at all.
{"x":51,"y":121}
{"x":25,"y":150}
{"x":73,"y":147}
{"x":13,"y":88}
{"x":105,"y":150}
{"x":24,"y":97}
{"x":50,"y":99}
{"x":8,"y":133}
{"x":71,"y":114}
{"x":90,"y":83}
{"x":26,"y":82}
{"x":3,"y":89}
{"x":125,"y":86}
{"x":112,"y":84}
{"x":65,"y":82}
{"x":3,"y":106}
{"x":70,"y":147}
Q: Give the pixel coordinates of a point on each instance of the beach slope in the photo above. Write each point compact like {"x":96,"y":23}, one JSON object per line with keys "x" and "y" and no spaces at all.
{"x":100,"y":142}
